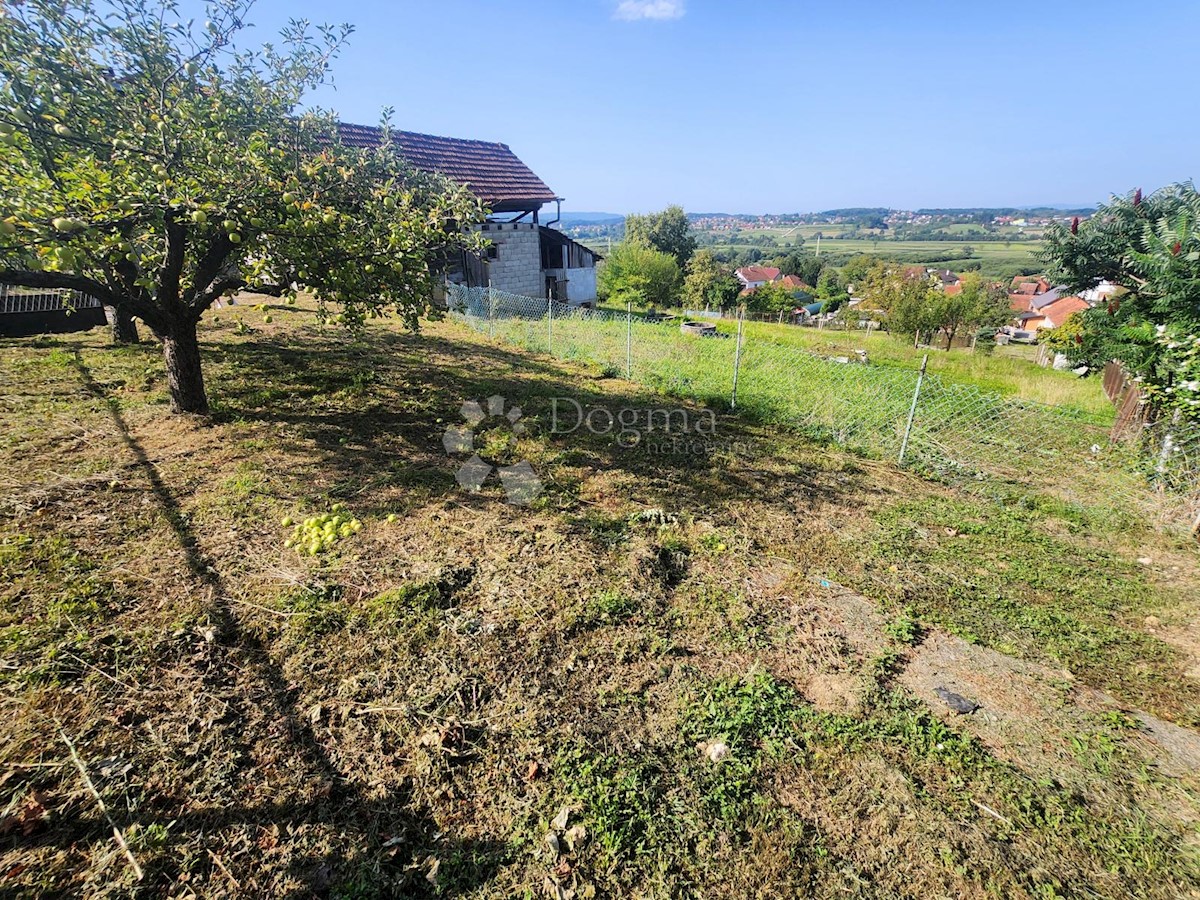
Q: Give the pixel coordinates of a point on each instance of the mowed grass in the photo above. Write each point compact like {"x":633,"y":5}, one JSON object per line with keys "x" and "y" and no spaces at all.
{"x":469,"y":698}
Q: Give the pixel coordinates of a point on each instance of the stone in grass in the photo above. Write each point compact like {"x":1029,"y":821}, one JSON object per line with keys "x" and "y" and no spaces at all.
{"x":956,"y":702}
{"x":715,"y":750}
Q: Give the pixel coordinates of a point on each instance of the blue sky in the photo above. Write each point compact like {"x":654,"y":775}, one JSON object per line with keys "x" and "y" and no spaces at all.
{"x":760,"y":106}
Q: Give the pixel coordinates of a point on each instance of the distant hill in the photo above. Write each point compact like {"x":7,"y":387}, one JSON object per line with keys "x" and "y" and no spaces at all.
{"x":590,"y":218}
{"x":1034,"y":211}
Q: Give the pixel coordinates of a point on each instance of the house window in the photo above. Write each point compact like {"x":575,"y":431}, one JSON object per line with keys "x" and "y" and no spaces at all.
{"x":493,"y":252}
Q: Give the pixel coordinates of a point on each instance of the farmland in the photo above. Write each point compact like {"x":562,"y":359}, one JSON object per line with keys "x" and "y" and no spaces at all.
{"x":996,"y":259}
{"x":671,"y":675}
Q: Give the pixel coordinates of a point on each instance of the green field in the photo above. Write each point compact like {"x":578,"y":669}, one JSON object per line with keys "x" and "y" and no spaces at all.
{"x":995,"y":423}
{"x":997,"y":259}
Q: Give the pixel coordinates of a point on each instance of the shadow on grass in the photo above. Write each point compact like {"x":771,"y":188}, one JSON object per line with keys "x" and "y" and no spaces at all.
{"x":376,"y":413}
{"x":244,"y":674}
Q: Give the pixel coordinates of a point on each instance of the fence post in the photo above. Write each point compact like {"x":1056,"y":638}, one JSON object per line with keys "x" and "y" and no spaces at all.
{"x":491,"y":306}
{"x":737,"y":357}
{"x":912,"y":410}
{"x":550,"y":325}
{"x":629,"y":342}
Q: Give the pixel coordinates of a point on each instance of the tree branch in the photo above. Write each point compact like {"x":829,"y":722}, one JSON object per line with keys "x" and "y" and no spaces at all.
{"x":208,"y":268}
{"x":172,"y":267}
{"x":89,"y":286}
{"x":226,"y":285}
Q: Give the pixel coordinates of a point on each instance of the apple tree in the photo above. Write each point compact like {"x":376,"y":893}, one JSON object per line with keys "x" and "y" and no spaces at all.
{"x":153,"y":164}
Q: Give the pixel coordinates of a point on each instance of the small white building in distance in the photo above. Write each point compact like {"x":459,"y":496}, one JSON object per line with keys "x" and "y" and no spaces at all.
{"x":756,"y":276}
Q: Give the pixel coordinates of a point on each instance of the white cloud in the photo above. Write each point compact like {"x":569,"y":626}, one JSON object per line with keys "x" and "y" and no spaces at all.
{"x":659,"y":10}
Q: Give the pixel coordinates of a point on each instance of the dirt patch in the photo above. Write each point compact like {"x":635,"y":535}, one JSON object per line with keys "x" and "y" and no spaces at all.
{"x":842,"y":694}
{"x":1031,"y":715}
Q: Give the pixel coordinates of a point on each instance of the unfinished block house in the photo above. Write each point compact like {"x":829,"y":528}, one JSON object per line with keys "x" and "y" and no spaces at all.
{"x":525,"y":256}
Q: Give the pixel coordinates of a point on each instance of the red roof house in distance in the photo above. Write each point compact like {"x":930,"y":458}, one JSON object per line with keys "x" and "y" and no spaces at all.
{"x":525,"y":257}
{"x":1062,"y":309}
{"x":756,"y":276}
{"x":1052,"y":315}
{"x":796,"y":283}
{"x":1024,"y":290}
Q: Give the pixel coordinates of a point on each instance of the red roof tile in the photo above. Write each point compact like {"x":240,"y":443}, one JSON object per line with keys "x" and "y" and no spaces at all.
{"x":758,"y":273}
{"x":1062,"y":309}
{"x":1029,"y":284}
{"x":492,"y":172}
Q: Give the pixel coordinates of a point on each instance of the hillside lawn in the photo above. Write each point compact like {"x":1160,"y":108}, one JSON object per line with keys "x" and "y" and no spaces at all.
{"x":1011,"y":370}
{"x":477,"y":699}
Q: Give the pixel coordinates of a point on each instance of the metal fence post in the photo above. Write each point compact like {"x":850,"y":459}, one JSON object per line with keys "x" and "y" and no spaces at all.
{"x":629,"y":342}
{"x":912,"y":410}
{"x":737,"y":357}
{"x":550,"y":325}
{"x":491,"y":308}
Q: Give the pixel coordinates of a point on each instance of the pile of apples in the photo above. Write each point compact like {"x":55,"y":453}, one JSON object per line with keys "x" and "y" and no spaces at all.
{"x":319,"y":533}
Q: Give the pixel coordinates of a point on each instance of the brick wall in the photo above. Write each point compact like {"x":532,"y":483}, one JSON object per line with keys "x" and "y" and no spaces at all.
{"x":517,"y":267}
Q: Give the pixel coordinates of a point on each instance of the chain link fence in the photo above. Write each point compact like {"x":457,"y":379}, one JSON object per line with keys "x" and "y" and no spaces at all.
{"x":951,"y":431}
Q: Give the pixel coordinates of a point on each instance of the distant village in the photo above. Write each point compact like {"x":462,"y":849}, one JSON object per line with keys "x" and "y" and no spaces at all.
{"x":1037,"y":305}
{"x":885,"y":219}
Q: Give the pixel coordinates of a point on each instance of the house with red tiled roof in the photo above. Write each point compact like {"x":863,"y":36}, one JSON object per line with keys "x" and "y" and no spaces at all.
{"x":1060,"y":310}
{"x":1024,"y":290}
{"x":756,"y":276}
{"x":524,"y":256}
{"x":796,"y":284}
{"x":1053,"y":314}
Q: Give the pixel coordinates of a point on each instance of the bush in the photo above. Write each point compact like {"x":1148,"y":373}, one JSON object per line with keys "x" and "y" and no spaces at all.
{"x":638,"y":274}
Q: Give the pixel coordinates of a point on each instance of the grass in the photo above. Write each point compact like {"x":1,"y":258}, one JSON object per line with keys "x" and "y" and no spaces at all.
{"x":409,"y":711}
{"x":1009,"y":370}
{"x":989,"y":427}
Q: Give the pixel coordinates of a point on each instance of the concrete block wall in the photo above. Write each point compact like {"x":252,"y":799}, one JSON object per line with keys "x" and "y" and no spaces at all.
{"x":517,"y":267}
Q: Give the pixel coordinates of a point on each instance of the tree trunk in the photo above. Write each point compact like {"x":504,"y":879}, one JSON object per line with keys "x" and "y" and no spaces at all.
{"x":181,"y":350}
{"x":124,"y":331}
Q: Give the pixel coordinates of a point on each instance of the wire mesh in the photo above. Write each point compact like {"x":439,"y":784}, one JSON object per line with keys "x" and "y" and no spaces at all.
{"x":960,"y":433}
